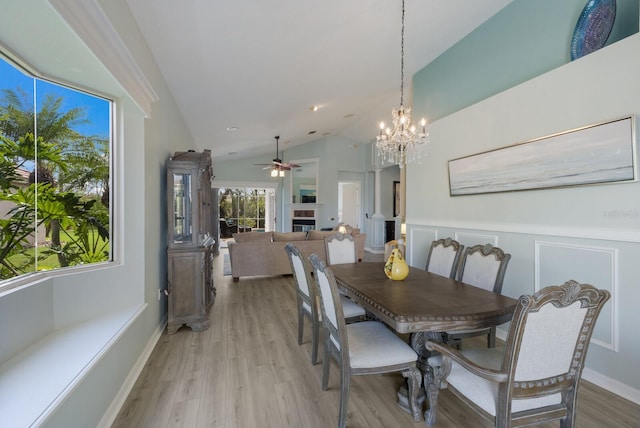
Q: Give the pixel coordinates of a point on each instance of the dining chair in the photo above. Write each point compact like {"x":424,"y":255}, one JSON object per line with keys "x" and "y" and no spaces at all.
{"x":444,"y":256}
{"x":307,"y":302}
{"x":536,"y":377}
{"x":340,"y":248}
{"x":483,"y":266}
{"x":362,"y":348}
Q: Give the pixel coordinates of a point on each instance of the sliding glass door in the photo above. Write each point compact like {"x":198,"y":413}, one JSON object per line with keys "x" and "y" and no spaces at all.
{"x":245,"y":210}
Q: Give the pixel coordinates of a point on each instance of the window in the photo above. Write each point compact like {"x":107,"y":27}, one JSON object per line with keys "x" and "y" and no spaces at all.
{"x":55,"y":145}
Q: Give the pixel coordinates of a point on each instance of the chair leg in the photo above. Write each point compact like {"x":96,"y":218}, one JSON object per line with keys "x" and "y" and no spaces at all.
{"x":344,"y":396}
{"x":570,"y":399}
{"x":414,"y":378}
{"x":300,"y":325}
{"x":314,"y":341}
{"x":326,"y":361}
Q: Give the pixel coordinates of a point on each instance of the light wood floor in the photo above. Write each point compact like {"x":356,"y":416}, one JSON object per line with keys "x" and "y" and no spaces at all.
{"x":247,"y":370}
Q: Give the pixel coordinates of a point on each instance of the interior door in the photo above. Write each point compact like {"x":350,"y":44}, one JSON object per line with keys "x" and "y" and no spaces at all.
{"x":349,"y":203}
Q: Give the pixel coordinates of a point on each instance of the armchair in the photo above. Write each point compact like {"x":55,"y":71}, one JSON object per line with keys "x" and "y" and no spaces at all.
{"x":536,"y":378}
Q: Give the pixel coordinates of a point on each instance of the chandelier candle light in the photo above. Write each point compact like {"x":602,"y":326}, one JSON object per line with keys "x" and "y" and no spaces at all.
{"x":403,"y":143}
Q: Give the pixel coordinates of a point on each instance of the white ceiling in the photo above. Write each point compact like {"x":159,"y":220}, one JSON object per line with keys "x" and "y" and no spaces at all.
{"x":260,"y":65}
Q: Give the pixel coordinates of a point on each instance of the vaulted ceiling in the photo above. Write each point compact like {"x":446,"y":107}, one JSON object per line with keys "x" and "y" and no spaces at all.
{"x":259,"y":66}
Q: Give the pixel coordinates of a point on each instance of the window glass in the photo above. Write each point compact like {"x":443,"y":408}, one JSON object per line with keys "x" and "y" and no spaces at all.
{"x":54,"y":175}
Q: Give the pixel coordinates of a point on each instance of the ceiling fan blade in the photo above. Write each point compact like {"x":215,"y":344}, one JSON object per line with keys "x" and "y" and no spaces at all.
{"x":291,"y":165}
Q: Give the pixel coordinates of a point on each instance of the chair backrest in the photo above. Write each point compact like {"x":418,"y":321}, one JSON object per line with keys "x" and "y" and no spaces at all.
{"x":330,"y":304}
{"x":341,"y":248}
{"x":444,"y":256}
{"x":484,"y":266}
{"x":301,"y":271}
{"x":547,"y":343}
{"x":225,"y":229}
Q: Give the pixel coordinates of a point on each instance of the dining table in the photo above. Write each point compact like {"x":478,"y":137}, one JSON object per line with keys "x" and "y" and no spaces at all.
{"x":425,"y":305}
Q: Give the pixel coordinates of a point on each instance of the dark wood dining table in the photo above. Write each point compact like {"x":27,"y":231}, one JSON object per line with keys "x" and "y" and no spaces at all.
{"x":423,"y":301}
{"x":424,"y":304}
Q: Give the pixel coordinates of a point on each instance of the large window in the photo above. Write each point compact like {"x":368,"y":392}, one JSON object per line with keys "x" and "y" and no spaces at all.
{"x":246,"y":209}
{"x":54,"y":175}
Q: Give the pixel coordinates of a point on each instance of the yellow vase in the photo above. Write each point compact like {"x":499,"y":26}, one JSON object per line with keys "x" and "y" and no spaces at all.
{"x":396,"y":267}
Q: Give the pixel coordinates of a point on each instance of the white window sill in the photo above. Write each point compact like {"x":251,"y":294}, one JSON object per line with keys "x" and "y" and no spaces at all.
{"x":35,"y":381}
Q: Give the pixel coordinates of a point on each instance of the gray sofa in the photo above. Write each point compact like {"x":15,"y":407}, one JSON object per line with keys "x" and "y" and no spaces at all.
{"x":262,"y":253}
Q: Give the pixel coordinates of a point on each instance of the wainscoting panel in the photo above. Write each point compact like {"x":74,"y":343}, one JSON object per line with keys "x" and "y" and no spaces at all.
{"x":557,"y":262}
{"x":419,"y":241}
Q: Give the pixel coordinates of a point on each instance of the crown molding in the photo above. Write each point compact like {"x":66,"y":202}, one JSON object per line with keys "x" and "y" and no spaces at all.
{"x":87,"y":19}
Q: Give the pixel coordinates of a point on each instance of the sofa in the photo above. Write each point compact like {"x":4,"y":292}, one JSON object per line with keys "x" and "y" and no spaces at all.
{"x":263,"y":253}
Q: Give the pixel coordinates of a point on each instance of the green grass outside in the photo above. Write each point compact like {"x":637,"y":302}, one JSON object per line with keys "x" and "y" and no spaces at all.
{"x":51,"y":261}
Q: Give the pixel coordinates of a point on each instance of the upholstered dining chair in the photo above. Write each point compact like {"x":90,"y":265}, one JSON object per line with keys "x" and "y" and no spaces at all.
{"x":341,"y":248}
{"x":444,"y":256}
{"x":536,"y":378}
{"x":362,"y":348}
{"x":307,"y":302}
{"x":483,"y":266}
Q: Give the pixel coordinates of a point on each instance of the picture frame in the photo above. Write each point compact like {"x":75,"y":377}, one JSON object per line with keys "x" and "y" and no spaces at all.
{"x":594,"y":154}
{"x":396,"y":198}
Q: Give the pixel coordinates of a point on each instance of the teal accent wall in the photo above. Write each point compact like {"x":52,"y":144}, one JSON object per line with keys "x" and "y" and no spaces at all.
{"x":524,"y":40}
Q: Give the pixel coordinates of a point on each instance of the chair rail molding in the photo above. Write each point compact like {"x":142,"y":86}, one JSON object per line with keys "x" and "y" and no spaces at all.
{"x":621,"y":235}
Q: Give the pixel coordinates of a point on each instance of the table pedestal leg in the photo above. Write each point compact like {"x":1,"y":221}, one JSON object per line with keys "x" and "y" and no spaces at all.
{"x":418,"y":341}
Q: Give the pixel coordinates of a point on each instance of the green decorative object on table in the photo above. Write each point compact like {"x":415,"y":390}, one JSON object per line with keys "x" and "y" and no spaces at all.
{"x":396,"y":267}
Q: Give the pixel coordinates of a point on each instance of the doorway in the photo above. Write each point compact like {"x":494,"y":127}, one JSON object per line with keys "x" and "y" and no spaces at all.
{"x":245,"y":210}
{"x":349,"y":196}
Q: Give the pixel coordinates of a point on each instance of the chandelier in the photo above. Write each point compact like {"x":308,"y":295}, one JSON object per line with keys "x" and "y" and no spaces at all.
{"x":402,"y":143}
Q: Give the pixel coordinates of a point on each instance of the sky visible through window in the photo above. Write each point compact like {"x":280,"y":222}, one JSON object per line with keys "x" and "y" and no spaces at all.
{"x":96,"y":109}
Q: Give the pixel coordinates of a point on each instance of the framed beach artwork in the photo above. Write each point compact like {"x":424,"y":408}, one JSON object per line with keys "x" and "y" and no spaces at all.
{"x":600,"y":153}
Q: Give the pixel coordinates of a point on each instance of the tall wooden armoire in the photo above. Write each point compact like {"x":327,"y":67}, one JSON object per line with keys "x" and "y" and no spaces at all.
{"x":190,"y":287}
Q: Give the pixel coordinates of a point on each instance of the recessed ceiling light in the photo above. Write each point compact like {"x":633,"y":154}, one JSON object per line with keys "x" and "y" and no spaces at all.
{"x":312,"y":132}
{"x":232,"y":153}
{"x":232,"y":128}
{"x":326,"y":133}
{"x":314,"y":108}
{"x":347,"y":116}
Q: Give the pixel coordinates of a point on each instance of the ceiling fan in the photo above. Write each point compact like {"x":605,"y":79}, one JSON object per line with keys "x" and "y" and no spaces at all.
{"x":277,"y":166}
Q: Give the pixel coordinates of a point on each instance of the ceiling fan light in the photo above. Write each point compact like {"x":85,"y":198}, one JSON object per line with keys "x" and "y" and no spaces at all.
{"x":281,"y":174}
{"x":274,"y":172}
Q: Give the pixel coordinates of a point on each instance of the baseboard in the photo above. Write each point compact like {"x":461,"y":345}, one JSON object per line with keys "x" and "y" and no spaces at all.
{"x":612,"y":385}
{"x":117,"y":403}
{"x":596,"y":378}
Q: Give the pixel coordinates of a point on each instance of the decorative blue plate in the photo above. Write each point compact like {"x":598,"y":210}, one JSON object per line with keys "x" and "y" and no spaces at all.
{"x":593,"y":27}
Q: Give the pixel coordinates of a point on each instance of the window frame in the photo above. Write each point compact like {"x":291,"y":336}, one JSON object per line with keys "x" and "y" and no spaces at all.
{"x":34,"y":277}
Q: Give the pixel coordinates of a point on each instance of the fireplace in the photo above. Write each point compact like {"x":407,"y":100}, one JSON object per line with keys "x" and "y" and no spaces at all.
{"x":303,"y":220}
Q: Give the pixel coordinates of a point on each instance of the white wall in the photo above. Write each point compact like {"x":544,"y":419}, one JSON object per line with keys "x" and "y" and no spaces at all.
{"x":553,"y":234}
{"x":36,"y":311}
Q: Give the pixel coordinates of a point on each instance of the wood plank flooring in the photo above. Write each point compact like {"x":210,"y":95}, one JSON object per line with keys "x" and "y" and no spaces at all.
{"x":248,"y":370}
